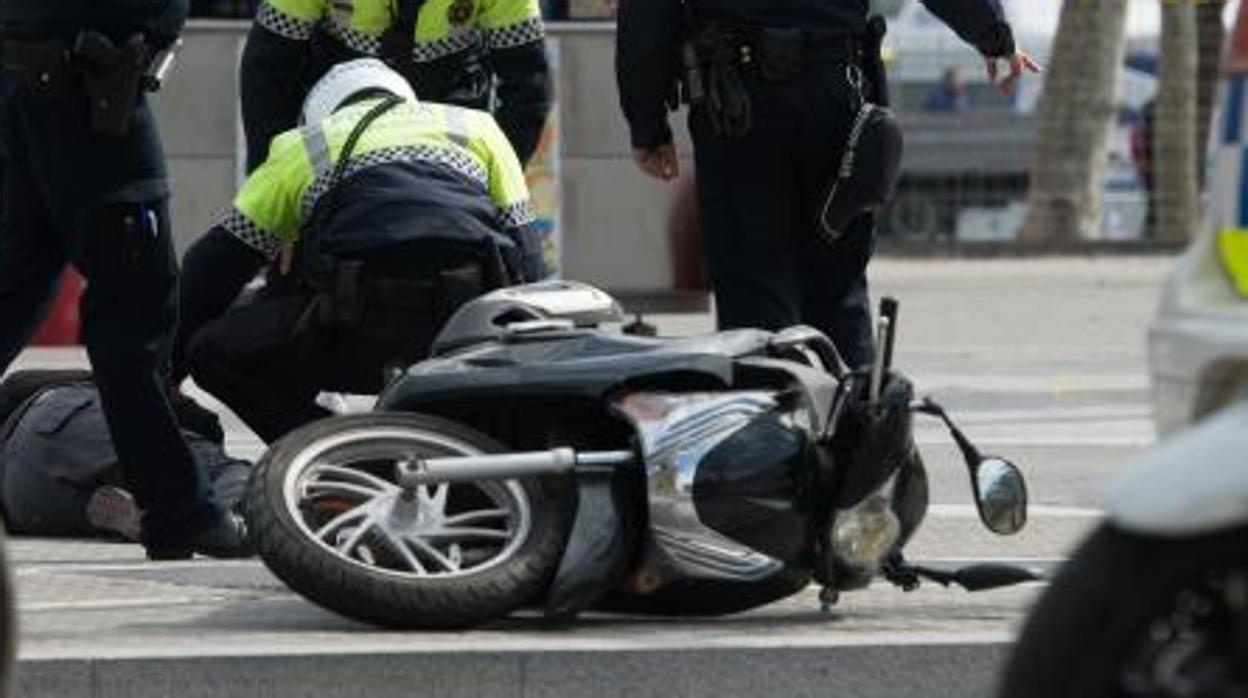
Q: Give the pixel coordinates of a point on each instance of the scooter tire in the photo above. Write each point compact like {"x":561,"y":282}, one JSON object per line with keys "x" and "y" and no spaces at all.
{"x":1094,"y":615}
{"x":405,"y":602}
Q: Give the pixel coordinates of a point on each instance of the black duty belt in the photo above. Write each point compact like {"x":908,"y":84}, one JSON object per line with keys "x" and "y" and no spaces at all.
{"x":778,"y":54}
{"x":809,"y":45}
{"x":114,"y":75}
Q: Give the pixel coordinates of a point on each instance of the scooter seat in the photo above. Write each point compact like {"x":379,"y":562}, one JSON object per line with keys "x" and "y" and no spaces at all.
{"x":585,"y":363}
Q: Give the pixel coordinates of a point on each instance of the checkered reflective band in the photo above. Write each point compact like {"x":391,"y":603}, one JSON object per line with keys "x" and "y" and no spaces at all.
{"x":516,"y":215}
{"x":241,"y":227}
{"x":283,"y":24}
{"x":450,"y":158}
{"x":526,"y":32}
{"x":426,"y":52}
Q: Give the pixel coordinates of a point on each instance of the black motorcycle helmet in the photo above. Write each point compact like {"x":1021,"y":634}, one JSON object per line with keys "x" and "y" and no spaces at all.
{"x":868,"y":173}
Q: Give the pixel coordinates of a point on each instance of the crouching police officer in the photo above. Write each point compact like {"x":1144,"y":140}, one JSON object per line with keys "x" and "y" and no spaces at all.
{"x":778,"y":88}
{"x":85,"y":184}
{"x":451,"y":51}
{"x":385,"y":214}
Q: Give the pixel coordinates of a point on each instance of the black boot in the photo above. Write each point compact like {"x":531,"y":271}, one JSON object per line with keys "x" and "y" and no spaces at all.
{"x":226,"y":539}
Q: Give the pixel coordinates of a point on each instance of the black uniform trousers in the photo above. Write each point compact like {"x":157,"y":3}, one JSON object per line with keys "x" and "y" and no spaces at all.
{"x":100,"y":203}
{"x":758,"y":197}
{"x":268,"y":358}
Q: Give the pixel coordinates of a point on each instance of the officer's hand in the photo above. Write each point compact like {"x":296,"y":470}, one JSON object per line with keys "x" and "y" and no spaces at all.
{"x":1021,"y":61}
{"x":660,"y":163}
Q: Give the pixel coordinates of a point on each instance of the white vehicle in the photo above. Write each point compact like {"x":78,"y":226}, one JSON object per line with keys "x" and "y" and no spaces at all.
{"x":1198,"y":343}
{"x":1155,"y":602}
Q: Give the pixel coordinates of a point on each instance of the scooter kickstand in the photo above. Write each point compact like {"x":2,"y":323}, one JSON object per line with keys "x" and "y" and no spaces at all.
{"x":827,"y":599}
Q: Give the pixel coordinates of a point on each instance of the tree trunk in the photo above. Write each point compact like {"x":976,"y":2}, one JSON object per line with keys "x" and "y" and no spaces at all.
{"x":1210,"y":38}
{"x":1175,"y":150}
{"x":1073,"y":122}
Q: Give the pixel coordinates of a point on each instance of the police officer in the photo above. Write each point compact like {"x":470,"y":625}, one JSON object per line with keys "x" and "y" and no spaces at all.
{"x":451,"y":51}
{"x":383,"y":215}
{"x":781,"y":83}
{"x":85,"y":183}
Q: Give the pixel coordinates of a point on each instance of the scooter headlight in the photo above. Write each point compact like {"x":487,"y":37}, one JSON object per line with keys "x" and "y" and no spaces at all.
{"x":864,"y":534}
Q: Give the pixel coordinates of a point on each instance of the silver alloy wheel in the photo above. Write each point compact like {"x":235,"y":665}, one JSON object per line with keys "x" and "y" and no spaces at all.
{"x":342,"y":493}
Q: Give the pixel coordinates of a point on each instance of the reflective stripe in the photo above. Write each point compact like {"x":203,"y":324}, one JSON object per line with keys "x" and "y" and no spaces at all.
{"x":457,"y":128}
{"x":240,"y":226}
{"x":516,"y":215}
{"x":283,"y":24}
{"x":450,"y":158}
{"x":317,"y":147}
{"x":1233,"y":251}
{"x":526,"y":32}
{"x":425,"y":52}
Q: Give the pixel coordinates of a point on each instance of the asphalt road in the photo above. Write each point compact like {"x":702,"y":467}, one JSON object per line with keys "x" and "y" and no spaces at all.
{"x":1041,"y":361}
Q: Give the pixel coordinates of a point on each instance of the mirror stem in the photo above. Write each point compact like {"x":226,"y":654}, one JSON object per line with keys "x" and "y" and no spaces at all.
{"x":969,"y":452}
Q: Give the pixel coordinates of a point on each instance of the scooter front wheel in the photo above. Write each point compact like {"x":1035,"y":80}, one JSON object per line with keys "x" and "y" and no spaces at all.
{"x":331,"y":520}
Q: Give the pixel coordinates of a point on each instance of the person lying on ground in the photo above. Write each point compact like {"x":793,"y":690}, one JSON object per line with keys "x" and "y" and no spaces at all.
{"x":59,"y":472}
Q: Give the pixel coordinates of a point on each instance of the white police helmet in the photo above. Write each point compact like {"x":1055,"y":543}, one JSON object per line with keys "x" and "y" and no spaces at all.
{"x":347,"y":80}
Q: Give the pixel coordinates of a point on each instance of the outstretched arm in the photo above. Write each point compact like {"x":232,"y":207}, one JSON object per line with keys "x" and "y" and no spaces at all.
{"x":982,"y":24}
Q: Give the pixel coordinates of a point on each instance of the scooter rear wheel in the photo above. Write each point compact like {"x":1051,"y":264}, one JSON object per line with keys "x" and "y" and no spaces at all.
{"x":331,"y":521}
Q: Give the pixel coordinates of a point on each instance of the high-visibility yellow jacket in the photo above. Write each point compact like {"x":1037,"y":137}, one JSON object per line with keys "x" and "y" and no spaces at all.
{"x":458,"y":51}
{"x":420,"y":171}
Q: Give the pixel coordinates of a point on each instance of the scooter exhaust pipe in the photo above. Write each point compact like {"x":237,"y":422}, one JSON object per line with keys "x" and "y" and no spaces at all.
{"x":503,"y":466}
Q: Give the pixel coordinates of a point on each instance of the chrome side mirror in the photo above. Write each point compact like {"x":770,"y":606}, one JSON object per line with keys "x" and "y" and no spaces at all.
{"x":1001,"y":495}
{"x":1000,"y":490}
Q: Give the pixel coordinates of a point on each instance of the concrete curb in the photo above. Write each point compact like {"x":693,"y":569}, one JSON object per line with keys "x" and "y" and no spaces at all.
{"x":948,"y":249}
{"x":959,"y":669}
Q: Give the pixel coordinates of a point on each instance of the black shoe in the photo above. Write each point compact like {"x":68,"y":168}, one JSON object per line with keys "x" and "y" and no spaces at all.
{"x":226,"y":539}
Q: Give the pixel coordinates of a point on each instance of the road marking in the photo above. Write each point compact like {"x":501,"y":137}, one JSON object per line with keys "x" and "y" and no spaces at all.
{"x":43,"y":567}
{"x":1029,"y":383}
{"x":1107,"y":412}
{"x":1042,"y":511}
{"x":1094,"y":425}
{"x":117,"y":604}
{"x":1121,"y":441}
{"x":972,"y":560}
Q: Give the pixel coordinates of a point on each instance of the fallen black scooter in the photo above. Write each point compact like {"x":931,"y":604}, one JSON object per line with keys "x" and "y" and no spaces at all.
{"x":540,"y":460}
